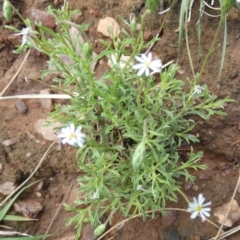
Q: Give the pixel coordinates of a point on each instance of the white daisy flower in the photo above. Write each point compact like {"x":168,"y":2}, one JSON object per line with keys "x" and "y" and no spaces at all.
{"x":26,"y":34}
{"x":146,"y":64}
{"x":197,"y":208}
{"x":95,"y":195}
{"x":71,"y":136}
{"x":197,"y":90}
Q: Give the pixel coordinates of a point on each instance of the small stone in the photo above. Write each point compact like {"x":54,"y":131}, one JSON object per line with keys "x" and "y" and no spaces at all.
{"x":43,"y":17}
{"x":188,"y":185}
{"x":7,"y":142}
{"x":21,"y":106}
{"x":38,"y":194}
{"x":28,"y":154}
{"x":195,"y":187}
{"x":233,"y":215}
{"x":108,"y":27}
{"x":77,"y":17}
{"x":29,"y":208}
{"x":38,"y":187}
{"x":46,"y":102}
{"x":46,"y":131}
{"x":7,"y":188}
{"x":204,"y":176}
{"x":147,"y":35}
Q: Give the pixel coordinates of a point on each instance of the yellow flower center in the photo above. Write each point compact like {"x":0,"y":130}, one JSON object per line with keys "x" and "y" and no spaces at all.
{"x":72,"y":136}
{"x":147,"y":64}
{"x":199,"y":208}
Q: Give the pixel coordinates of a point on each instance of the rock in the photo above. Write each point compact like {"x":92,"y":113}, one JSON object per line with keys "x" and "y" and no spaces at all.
{"x":46,"y":102}
{"x":21,"y":106}
{"x":77,"y":17}
{"x":7,"y":188}
{"x":168,"y":220}
{"x":147,"y":36}
{"x":188,"y":185}
{"x":29,"y":208}
{"x":233,"y":215}
{"x":43,"y":17}
{"x":7,"y":142}
{"x":195,"y":187}
{"x":108,"y":27}
{"x":47,"y":131}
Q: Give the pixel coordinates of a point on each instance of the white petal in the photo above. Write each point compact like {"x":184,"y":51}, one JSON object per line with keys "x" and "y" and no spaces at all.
{"x":145,"y":58}
{"x":61,"y":135}
{"x":194,"y":215}
{"x":140,"y":59}
{"x":207,"y":204}
{"x":207,"y":214}
{"x":65,"y":140}
{"x":201,"y":199}
{"x":141,"y":71}
{"x":149,"y":57}
{"x":72,"y":127}
{"x":138,"y":66}
{"x":202,"y":216}
{"x":78,"y":130}
{"x":147,"y":72}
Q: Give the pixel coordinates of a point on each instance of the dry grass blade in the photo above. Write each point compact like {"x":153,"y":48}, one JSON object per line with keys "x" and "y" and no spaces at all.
{"x":56,"y":213}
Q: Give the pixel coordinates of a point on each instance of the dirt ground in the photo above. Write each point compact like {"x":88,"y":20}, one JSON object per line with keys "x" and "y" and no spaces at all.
{"x":220,"y":138}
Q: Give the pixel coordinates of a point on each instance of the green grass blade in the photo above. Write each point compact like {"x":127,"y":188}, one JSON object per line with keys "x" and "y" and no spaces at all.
{"x":4,"y":211}
{"x":26,"y":238}
{"x":16,"y":218}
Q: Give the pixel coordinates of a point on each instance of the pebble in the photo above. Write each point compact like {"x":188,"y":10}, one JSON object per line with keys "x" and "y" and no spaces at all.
{"x":7,"y":142}
{"x":38,"y":194}
{"x":147,"y":35}
{"x":77,"y":17}
{"x":195,"y":187}
{"x":7,"y":188}
{"x":43,"y":17}
{"x":46,"y":131}
{"x":108,"y":27}
{"x":233,"y":216}
{"x":188,"y":185}
{"x":21,"y":106}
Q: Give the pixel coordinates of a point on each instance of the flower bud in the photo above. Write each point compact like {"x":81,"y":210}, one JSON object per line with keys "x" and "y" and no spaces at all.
{"x":227,"y":5}
{"x":133,"y":25}
{"x":138,"y":156}
{"x":87,"y":50}
{"x":152,"y":4}
{"x":99,"y":230}
{"x":7,"y":10}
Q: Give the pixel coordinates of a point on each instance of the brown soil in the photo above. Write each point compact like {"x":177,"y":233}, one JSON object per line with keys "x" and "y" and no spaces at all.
{"x":219,"y":137}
